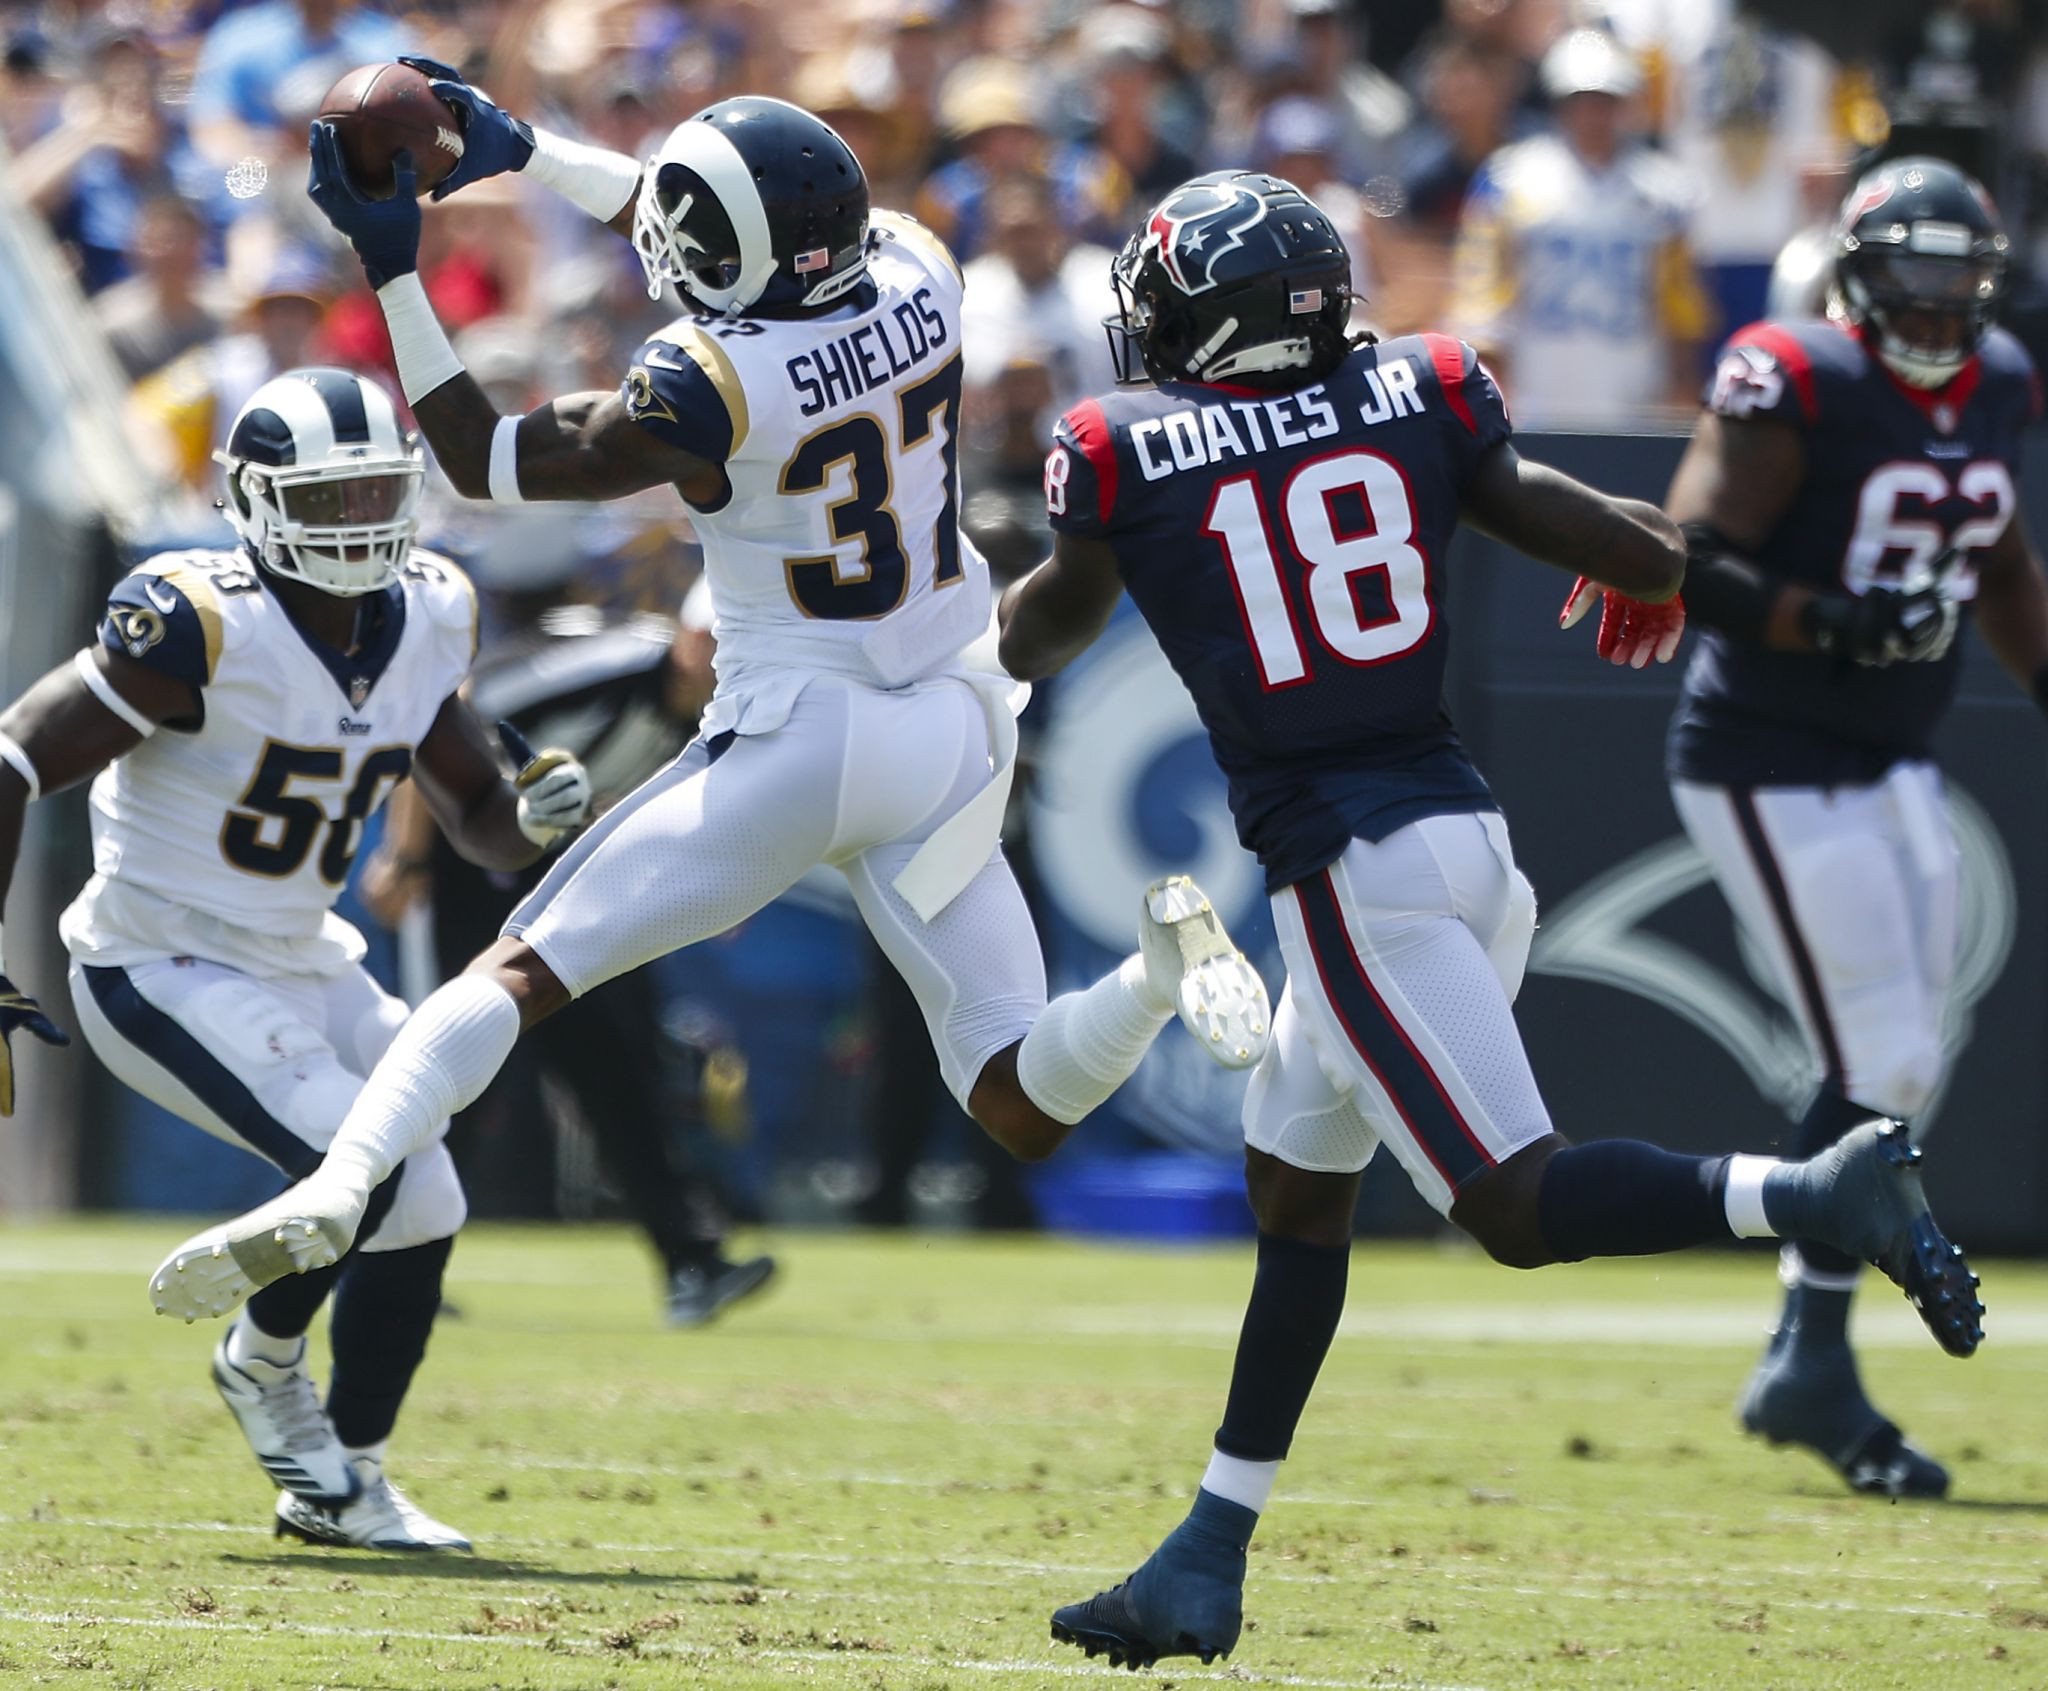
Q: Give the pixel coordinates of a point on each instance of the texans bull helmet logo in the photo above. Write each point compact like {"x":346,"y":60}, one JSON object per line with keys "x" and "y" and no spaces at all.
{"x":1195,"y":226}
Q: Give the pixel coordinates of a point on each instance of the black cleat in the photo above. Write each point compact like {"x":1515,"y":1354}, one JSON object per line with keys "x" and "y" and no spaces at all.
{"x":1187,"y":1599}
{"x":696,"y":1292}
{"x":1809,"y":1395}
{"x":1872,"y":1205}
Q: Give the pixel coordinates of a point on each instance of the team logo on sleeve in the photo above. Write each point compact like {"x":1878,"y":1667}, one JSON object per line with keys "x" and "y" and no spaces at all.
{"x":1195,"y":227}
{"x":641,"y":399}
{"x":138,"y":629}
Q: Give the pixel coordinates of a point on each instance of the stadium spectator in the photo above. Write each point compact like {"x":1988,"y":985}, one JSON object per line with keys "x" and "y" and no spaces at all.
{"x":1123,"y":51}
{"x":1469,"y":95}
{"x":173,"y":302}
{"x":1572,"y":275}
{"x":1750,"y":119}
{"x":986,"y":111}
{"x":1372,"y":109}
{"x":112,"y":148}
{"x":1033,"y":291}
{"x":180,"y":414}
{"x":262,"y":69}
{"x":897,"y":78}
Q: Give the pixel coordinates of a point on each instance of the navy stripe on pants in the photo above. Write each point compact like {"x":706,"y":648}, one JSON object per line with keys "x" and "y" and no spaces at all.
{"x":1412,"y":1085}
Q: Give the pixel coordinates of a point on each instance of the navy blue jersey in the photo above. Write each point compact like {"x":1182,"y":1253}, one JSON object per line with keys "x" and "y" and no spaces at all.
{"x":1895,"y":477}
{"x":1284,"y":548}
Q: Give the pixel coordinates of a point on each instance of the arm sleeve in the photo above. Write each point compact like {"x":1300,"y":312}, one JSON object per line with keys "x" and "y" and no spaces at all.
{"x":683,"y":389}
{"x":1081,"y":473}
{"x":159,"y":624}
{"x":1763,"y":371}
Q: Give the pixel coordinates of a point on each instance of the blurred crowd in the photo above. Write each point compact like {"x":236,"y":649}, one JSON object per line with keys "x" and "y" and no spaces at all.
{"x":1591,"y":192}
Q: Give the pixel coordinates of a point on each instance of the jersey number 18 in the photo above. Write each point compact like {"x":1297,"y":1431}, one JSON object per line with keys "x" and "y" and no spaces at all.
{"x":1342,"y":518}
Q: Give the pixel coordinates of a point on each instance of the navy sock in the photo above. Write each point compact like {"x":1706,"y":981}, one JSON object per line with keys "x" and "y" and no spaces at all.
{"x":383,"y":1312}
{"x":1297,"y":1299}
{"x":1623,"y":1198}
{"x":1827,"y":1118}
{"x":1218,"y":1519}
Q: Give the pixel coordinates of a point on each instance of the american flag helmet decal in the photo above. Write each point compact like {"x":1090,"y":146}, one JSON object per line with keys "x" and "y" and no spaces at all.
{"x":818,"y":258}
{"x":1303,"y":300}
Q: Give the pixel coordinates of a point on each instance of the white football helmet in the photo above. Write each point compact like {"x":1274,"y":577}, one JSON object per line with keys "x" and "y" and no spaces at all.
{"x":322,"y":483}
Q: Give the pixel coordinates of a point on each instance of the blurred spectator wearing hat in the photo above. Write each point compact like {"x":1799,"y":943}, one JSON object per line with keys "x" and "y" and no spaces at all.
{"x":1035,"y":290}
{"x":1572,"y":273}
{"x":112,"y":149}
{"x":1123,"y":53}
{"x":986,"y":111}
{"x":262,"y":70}
{"x":180,"y":414}
{"x":174,"y":301}
{"x":893,"y":80}
{"x":1371,"y":109}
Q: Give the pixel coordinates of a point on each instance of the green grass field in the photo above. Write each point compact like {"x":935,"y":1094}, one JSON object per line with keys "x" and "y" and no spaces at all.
{"x":886,"y":1474}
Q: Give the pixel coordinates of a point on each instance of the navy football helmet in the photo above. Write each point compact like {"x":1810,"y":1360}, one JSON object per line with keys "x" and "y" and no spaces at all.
{"x":1920,"y":261}
{"x":323,"y":485}
{"x":753,"y":205}
{"x":1235,"y":273}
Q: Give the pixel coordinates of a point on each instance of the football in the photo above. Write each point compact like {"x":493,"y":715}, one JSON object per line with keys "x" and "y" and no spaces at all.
{"x":380,"y":110}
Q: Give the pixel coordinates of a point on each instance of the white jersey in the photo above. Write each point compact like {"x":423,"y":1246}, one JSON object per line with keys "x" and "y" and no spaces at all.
{"x":838,"y":549}
{"x":231,"y":838}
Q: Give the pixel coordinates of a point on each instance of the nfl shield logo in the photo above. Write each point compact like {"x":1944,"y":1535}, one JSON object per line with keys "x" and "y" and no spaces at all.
{"x":816,"y":259}
{"x":1308,"y":299}
{"x":358,"y":691}
{"x":1945,"y":418}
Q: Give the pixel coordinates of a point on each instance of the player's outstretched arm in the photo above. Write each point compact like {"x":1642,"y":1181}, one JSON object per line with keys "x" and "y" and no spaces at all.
{"x":493,"y":822}
{"x":594,"y":179}
{"x":60,"y":732}
{"x":1625,"y":544}
{"x":2012,"y":608}
{"x":1736,"y":481}
{"x":1053,"y":615}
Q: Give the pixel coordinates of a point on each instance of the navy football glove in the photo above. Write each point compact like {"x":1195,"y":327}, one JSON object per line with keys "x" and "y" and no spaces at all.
{"x":18,"y":1011}
{"x":1882,"y":627}
{"x":493,"y":140}
{"x":385,"y":233}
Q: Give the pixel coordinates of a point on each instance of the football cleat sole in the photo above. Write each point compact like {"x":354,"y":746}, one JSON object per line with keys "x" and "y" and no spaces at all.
{"x":1124,"y":1653}
{"x":1923,"y":1263}
{"x":214,"y":1271}
{"x":1219,"y":996}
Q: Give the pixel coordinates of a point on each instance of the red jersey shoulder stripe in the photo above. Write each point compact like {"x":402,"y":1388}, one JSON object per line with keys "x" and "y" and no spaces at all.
{"x":1792,"y":358}
{"x":1447,"y":353}
{"x":1091,"y":434}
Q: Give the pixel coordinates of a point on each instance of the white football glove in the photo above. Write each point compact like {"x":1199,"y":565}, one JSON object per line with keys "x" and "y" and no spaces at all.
{"x":554,"y":796}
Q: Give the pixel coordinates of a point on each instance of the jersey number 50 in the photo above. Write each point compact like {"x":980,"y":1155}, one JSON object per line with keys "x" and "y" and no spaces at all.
{"x":1343,"y":519}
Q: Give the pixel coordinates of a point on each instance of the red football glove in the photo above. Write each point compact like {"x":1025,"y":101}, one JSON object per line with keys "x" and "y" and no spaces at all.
{"x":1631,"y":632}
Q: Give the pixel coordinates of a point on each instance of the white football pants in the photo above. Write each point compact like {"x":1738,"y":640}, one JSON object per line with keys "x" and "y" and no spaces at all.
{"x":1397,"y":1023}
{"x":857,"y":778}
{"x":269,"y":1065}
{"x":1851,"y":894}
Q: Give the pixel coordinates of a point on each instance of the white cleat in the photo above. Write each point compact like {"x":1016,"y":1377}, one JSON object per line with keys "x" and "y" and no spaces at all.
{"x":279,"y":1412}
{"x":379,"y":1517}
{"x":305,"y":1227}
{"x":1191,"y":961}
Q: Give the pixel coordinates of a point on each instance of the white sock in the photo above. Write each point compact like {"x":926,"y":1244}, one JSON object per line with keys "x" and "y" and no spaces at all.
{"x":442,"y":1059}
{"x":1744,"y":1196}
{"x":1235,"y":1480}
{"x":248,"y":1343}
{"x":1086,"y":1044}
{"x":373,"y":1452}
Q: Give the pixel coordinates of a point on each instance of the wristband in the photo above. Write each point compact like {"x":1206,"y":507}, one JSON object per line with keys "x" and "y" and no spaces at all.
{"x":12,"y":755}
{"x":102,"y":689}
{"x":418,"y":342}
{"x":504,"y":481}
{"x":593,"y":179}
{"x":2038,"y":687}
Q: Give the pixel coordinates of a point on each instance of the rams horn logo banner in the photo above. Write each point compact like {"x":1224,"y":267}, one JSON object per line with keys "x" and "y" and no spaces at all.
{"x":1198,"y":225}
